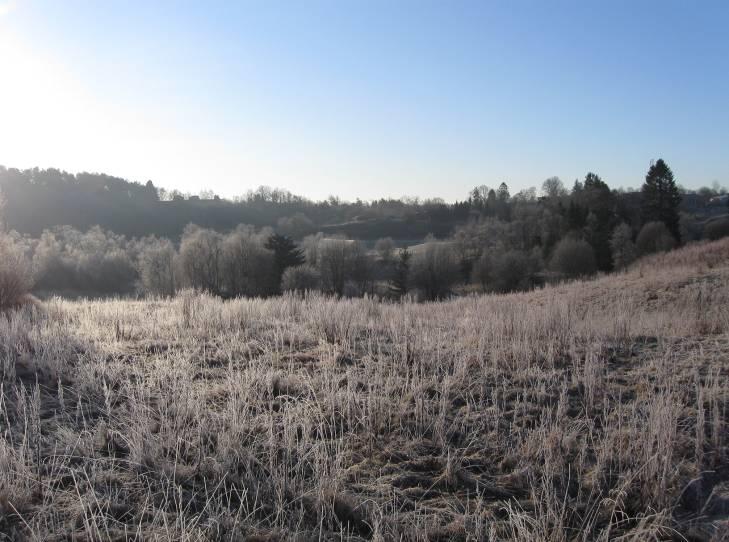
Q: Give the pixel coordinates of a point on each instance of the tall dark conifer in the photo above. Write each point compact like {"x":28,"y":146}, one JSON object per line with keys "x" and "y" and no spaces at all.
{"x":503,"y":211}
{"x":598,"y":204}
{"x":399,"y":282}
{"x":661,"y":198}
{"x":285,"y":254}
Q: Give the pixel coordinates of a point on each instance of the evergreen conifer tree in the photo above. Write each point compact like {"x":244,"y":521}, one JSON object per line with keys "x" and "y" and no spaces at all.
{"x":285,"y":254}
{"x":661,"y":198}
{"x":399,"y":282}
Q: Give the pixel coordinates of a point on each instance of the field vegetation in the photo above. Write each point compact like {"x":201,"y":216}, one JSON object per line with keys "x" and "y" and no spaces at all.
{"x":588,"y":410}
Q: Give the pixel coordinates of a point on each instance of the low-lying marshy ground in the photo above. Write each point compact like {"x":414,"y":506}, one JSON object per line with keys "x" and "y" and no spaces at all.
{"x":576,"y":412}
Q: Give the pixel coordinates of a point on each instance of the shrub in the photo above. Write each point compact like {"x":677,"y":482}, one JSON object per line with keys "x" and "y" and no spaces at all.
{"x":573,"y":258}
{"x":512,"y":271}
{"x":15,"y":276}
{"x":301,"y":278}
{"x":107,"y":272}
{"x":691,"y":228}
{"x":716,"y":229}
{"x":654,"y":237}
{"x":434,"y":270}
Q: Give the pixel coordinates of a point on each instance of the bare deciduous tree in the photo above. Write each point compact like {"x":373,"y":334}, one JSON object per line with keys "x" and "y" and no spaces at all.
{"x":622,"y":246}
{"x":248,"y":266}
{"x":156,"y":268}
{"x":434,"y":269}
{"x":200,"y":259}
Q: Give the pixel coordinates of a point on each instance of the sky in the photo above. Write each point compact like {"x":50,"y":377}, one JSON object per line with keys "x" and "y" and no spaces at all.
{"x":366,"y":99}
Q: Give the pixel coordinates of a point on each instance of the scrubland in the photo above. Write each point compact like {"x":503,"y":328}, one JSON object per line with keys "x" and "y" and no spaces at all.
{"x":576,"y":412}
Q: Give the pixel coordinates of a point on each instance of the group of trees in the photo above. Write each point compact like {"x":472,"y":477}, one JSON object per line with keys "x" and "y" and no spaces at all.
{"x":505,"y":243}
{"x":43,"y":199}
{"x":567,"y":233}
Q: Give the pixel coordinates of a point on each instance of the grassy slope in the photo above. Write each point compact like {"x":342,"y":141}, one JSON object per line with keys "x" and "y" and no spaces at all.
{"x":575,"y":412}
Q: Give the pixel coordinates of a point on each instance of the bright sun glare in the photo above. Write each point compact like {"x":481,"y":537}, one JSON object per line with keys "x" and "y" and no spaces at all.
{"x":48,"y":117}
{"x":38,"y":103}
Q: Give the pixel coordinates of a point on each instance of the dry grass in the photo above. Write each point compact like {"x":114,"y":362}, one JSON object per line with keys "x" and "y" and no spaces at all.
{"x":577,"y":412}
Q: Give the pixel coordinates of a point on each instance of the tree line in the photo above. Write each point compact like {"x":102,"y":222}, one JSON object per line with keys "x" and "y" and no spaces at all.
{"x":507,"y":243}
{"x":41,"y":199}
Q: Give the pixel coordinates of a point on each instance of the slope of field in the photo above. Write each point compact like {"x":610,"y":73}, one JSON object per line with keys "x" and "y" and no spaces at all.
{"x":576,"y":412}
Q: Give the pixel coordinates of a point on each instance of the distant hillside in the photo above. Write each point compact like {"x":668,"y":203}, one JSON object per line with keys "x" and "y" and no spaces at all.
{"x":42,"y":199}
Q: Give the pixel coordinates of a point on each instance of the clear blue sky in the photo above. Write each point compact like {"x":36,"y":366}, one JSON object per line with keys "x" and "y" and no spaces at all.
{"x":366,"y":99}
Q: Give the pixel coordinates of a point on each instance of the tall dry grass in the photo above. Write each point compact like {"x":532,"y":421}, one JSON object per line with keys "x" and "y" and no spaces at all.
{"x":576,"y":412}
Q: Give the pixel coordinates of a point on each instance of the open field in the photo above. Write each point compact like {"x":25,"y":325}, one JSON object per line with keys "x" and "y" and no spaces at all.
{"x":576,"y":412}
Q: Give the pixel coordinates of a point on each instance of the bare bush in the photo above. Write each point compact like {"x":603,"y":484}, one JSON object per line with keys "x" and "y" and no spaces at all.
{"x":512,"y":271}
{"x":107,"y":272}
{"x":573,"y":258}
{"x":15,"y":275}
{"x":434,"y":270}
{"x":716,"y":229}
{"x":301,"y":278}
{"x":654,"y":237}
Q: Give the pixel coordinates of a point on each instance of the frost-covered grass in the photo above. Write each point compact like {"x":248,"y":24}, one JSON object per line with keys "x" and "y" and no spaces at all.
{"x":576,"y":412}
